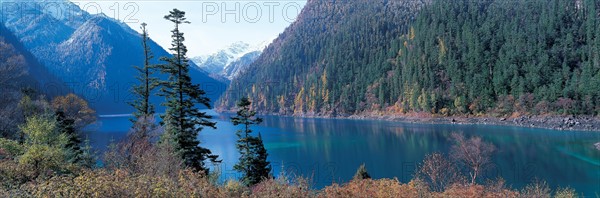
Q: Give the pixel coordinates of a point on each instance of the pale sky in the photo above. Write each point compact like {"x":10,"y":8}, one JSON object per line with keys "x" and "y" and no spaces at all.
{"x":214,"y":24}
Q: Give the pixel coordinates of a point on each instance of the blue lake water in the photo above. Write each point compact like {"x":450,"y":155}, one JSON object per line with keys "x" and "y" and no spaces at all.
{"x":330,"y":150}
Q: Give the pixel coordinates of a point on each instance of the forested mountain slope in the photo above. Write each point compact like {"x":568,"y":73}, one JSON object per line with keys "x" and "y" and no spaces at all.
{"x":325,"y":61}
{"x":20,"y":73}
{"x":450,"y":57}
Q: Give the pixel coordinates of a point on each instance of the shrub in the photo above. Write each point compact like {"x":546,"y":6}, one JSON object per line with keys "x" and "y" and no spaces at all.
{"x":10,"y":149}
{"x":45,"y":151}
{"x":505,"y":105}
{"x":473,"y":153}
{"x":460,"y":190}
{"x":282,"y":187}
{"x":438,"y":172}
{"x":234,"y":188}
{"x":376,"y":188}
{"x":542,"y":107}
{"x":103,"y":183}
{"x":537,"y":189}
{"x":565,"y":193}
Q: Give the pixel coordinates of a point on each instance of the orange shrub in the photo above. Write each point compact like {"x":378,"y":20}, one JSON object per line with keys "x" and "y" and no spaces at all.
{"x":102,"y":183}
{"x":282,"y":188}
{"x":375,"y":188}
{"x":467,"y":191}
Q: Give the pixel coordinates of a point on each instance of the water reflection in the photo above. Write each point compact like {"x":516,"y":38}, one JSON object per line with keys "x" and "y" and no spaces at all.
{"x":330,"y":150}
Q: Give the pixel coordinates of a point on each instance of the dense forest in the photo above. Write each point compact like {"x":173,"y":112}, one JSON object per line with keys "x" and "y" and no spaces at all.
{"x":441,"y":57}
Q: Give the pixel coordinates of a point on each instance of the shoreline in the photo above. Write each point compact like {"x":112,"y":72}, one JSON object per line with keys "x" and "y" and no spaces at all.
{"x":560,"y":123}
{"x":552,"y":122}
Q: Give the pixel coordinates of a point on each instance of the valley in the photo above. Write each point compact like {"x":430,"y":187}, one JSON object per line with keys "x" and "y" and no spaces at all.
{"x":360,"y":98}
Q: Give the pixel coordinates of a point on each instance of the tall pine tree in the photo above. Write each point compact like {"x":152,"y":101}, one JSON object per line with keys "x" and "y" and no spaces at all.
{"x":143,"y":107}
{"x":181,"y":97}
{"x":253,"y":156}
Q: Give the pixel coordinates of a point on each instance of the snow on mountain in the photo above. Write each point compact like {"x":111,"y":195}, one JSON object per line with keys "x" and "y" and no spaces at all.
{"x":233,"y":69}
{"x":228,"y":62}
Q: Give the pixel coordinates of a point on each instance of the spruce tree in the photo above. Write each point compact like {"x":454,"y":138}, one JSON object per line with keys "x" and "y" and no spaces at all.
{"x":66,"y":126}
{"x":262,"y":167}
{"x":142,"y":105}
{"x":361,"y":173}
{"x":253,"y":162}
{"x":181,"y":97}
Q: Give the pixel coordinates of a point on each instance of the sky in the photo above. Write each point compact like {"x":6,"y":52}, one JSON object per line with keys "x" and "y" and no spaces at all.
{"x":214,"y":24}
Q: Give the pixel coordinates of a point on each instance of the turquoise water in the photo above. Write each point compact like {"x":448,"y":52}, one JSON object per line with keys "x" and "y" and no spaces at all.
{"x":330,"y":150}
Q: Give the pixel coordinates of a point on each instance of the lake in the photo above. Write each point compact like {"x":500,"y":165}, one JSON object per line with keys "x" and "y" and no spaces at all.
{"x":330,"y":150}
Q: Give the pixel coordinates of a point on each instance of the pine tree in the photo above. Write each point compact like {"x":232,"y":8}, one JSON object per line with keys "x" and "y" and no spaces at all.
{"x":361,"y":173}
{"x":253,"y":156}
{"x":143,"y":91}
{"x":181,"y":96}
{"x":262,"y":167}
{"x":66,"y":126}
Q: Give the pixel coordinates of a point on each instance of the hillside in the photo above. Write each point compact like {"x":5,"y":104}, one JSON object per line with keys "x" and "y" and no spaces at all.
{"x":20,"y":70}
{"x":93,"y":54}
{"x":450,"y":58}
{"x":322,"y":63}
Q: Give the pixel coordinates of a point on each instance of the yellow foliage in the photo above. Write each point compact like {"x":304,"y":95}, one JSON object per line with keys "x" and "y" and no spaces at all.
{"x":312,"y":99}
{"x":442,"y":49}
{"x":324,"y":79}
{"x":74,"y":108}
{"x":281,"y":102}
{"x":324,"y":91}
{"x":299,"y":102}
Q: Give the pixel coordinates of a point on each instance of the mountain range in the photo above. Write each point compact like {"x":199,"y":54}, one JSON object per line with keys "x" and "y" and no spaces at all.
{"x":227,"y":63}
{"x":93,"y":54}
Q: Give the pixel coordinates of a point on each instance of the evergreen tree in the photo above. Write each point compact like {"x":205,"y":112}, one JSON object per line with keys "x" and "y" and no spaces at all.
{"x":181,"y":96}
{"x":253,"y":156}
{"x":66,"y":126}
{"x":361,"y":173}
{"x":262,"y":167}
{"x":143,"y":91}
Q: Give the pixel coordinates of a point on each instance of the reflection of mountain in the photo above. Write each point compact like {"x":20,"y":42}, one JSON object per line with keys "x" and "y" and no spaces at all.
{"x":94,"y":54}
{"x":228,"y":62}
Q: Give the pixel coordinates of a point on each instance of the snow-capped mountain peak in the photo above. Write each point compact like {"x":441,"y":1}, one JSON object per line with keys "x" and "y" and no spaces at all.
{"x":220,"y":62}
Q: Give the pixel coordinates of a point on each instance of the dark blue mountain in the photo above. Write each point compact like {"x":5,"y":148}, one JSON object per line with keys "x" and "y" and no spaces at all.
{"x":93,"y":54}
{"x":21,"y":69}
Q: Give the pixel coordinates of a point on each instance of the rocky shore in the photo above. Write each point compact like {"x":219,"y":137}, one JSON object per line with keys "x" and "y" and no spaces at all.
{"x":565,"y":123}
{"x":554,"y":122}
